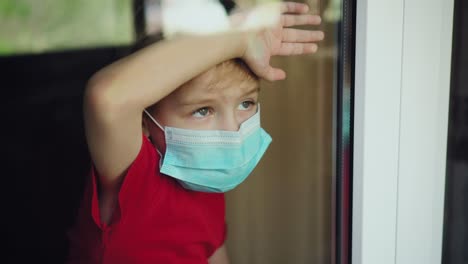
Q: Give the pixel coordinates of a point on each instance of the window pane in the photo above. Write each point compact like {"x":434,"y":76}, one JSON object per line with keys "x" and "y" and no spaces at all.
{"x":294,"y":208}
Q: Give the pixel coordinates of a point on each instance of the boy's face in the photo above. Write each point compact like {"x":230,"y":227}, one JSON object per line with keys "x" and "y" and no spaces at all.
{"x":208,"y":102}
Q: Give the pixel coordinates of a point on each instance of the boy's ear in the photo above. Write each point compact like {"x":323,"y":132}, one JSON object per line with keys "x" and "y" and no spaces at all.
{"x":145,"y":124}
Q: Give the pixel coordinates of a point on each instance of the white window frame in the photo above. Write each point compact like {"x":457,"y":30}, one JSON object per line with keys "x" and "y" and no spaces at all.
{"x":402,"y":85}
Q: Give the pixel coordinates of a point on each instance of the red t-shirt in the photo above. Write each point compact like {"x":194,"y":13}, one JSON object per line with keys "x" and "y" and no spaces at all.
{"x":157,"y":220}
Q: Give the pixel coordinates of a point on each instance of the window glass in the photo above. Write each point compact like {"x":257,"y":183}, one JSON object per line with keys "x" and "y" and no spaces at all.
{"x":294,"y":208}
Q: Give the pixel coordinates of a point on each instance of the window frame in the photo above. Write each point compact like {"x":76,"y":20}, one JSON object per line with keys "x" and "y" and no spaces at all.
{"x":402,"y":84}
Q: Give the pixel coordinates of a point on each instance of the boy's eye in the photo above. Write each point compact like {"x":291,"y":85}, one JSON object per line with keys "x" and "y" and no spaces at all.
{"x":246,"y":105}
{"x":202,"y":112}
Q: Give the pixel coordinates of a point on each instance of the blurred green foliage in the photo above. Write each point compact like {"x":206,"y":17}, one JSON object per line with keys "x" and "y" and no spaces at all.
{"x":34,"y":26}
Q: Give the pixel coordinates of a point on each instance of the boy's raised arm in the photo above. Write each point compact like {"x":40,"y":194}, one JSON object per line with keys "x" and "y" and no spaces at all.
{"x":117,"y":95}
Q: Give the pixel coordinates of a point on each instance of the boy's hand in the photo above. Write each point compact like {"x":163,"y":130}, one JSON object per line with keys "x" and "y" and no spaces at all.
{"x":280,"y":40}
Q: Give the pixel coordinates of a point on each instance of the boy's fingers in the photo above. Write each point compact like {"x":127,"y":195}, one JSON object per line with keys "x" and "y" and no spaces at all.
{"x":287,"y":49}
{"x":275,"y":74}
{"x":298,"y":35}
{"x":292,"y":7}
{"x":299,"y":20}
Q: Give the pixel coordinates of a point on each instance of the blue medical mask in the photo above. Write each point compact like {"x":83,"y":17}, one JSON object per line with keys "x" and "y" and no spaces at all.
{"x":213,"y":160}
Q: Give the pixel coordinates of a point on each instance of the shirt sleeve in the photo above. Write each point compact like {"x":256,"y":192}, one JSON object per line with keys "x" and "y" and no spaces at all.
{"x":139,"y":186}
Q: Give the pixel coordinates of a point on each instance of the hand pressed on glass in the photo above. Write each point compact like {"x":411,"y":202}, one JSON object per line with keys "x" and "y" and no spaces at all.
{"x":280,"y":39}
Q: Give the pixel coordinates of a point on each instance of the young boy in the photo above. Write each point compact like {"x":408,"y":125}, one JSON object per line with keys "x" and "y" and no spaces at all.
{"x":169,"y":129}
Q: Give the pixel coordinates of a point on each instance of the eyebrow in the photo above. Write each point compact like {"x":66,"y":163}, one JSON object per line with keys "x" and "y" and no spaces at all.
{"x":256,"y":89}
{"x":203,"y":101}
{"x":207,"y":100}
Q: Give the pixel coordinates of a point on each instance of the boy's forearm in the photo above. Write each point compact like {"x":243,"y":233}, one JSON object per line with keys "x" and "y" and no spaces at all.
{"x":150,"y":74}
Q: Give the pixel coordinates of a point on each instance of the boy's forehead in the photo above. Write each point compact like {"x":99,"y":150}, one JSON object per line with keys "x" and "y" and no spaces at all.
{"x":212,"y":82}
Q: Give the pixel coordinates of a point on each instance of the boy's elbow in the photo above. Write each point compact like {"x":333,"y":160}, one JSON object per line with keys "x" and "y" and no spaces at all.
{"x":98,"y":97}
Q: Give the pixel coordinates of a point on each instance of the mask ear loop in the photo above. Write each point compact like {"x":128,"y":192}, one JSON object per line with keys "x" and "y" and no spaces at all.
{"x":156,"y":122}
